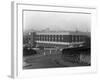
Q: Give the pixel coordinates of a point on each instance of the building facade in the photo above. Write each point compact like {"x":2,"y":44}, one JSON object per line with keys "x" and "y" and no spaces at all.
{"x":58,"y":39}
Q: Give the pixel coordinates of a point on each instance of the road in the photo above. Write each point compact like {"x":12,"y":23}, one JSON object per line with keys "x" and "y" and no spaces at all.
{"x":42,"y":61}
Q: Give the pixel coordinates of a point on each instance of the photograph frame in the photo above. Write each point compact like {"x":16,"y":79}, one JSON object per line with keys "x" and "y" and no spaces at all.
{"x":17,"y":29}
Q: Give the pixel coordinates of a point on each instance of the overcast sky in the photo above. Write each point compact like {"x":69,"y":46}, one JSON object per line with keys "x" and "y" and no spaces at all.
{"x":35,"y":20}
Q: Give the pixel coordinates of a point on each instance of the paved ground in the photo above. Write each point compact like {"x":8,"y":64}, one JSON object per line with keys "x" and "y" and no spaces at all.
{"x":47,"y":61}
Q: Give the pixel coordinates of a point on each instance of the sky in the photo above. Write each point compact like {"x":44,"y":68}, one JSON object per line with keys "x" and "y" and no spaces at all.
{"x":36,"y":20}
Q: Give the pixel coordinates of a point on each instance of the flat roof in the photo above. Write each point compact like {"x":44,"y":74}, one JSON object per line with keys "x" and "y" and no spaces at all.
{"x":62,"y":33}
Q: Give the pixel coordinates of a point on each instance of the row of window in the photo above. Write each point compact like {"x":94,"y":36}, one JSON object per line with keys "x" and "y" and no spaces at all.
{"x":71,"y":38}
{"x":50,"y":37}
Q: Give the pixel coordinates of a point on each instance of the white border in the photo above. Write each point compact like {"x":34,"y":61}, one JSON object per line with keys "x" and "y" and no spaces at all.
{"x":17,"y":70}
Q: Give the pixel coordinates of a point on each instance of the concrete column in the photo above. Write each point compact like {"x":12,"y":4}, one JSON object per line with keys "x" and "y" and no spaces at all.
{"x":44,"y":53}
{"x":50,"y":51}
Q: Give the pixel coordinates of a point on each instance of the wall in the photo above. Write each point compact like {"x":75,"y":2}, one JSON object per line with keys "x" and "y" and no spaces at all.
{"x":5,"y":39}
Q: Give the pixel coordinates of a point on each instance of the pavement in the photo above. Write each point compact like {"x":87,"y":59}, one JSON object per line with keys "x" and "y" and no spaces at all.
{"x":47,"y":61}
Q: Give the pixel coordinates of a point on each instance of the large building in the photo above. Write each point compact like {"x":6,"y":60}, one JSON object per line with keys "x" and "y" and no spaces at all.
{"x":59,"y":39}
